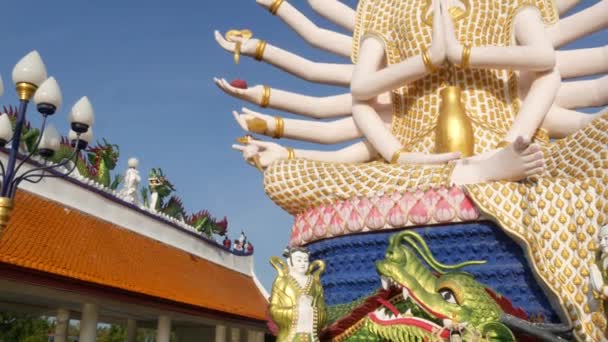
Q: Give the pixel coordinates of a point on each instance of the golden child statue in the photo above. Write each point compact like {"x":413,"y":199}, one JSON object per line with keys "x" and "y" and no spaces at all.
{"x":297,"y":305}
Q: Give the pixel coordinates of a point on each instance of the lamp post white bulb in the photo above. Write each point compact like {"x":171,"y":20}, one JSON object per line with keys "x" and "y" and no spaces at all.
{"x":48,"y":97}
{"x":82,"y":115}
{"x":30,"y":69}
{"x":6,"y":128}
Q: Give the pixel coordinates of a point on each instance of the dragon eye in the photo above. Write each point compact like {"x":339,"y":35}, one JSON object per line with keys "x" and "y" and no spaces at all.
{"x":448,"y":296}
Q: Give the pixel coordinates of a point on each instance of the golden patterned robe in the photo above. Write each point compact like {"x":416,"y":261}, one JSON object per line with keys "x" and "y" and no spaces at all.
{"x":555,"y":216}
{"x":284,"y":305}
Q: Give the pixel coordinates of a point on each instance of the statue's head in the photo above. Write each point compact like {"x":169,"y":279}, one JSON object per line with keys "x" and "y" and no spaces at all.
{"x":604,"y":239}
{"x":298,"y":259}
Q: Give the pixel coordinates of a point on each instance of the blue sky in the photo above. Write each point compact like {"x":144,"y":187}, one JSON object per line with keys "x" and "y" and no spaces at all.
{"x":147,"y":67}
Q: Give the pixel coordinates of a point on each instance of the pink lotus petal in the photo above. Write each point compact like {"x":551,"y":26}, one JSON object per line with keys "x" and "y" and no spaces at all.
{"x":397,"y":217}
{"x":364,"y":206}
{"x":455,"y":196}
{"x":444,"y":212}
{"x":295,"y":236}
{"x":407,"y":201}
{"x":300,"y":221}
{"x":385,"y":204}
{"x":430,"y":199}
{"x":396,"y":196}
{"x":442,"y":191}
{"x":327,"y":213}
{"x":319,"y":230}
{"x":419,"y":214}
{"x":306,"y":233}
{"x":354,"y":222}
{"x":374,"y":220}
{"x":468,"y":211}
{"x":345,"y":209}
{"x":336,"y":225}
{"x":419,"y":194}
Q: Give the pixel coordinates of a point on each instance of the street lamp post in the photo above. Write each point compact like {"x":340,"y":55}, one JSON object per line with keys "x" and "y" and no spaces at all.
{"x":30,"y":79}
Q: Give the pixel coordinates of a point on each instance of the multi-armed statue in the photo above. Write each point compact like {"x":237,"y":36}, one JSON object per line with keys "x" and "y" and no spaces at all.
{"x":452,"y":95}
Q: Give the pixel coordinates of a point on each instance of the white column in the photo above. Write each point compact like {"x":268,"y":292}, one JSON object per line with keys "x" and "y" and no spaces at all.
{"x":235,"y":334}
{"x":131,"y":330}
{"x":62,"y":321}
{"x":259,"y":336}
{"x":220,"y":333}
{"x":88,"y":323}
{"x":252,"y":336}
{"x":163,"y":330}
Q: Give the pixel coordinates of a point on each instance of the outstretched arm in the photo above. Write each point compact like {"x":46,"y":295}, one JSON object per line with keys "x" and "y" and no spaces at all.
{"x":264,"y":153}
{"x":564,"y":6}
{"x":314,"y":107}
{"x":320,"y":132}
{"x":580,"y":94}
{"x":326,"y":73}
{"x":580,"y":24}
{"x":561,"y":122}
{"x":327,"y":40}
{"x":534,"y":52}
{"x":583,"y":62}
{"x":336,"y":12}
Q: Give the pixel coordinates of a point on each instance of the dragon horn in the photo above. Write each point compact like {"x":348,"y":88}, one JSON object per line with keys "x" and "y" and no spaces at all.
{"x":417,"y":242}
{"x":543,"y":332}
{"x":279,"y":265}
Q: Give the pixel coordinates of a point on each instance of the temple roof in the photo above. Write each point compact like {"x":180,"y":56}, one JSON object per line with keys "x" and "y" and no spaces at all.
{"x":49,"y":237}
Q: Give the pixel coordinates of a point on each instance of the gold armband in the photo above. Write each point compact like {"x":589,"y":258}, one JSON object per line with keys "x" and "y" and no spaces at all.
{"x":466,"y":56}
{"x":291,"y":154}
{"x":503,"y":144}
{"x":259,"y":50}
{"x":279,"y":127}
{"x":275,"y":6}
{"x":426,"y":59}
{"x":265,"y":101}
{"x":396,"y":155}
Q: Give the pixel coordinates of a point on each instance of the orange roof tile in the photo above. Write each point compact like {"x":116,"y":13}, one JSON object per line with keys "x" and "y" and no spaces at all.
{"x":45,"y":236}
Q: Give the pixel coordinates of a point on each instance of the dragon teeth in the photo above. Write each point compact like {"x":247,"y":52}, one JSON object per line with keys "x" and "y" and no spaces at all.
{"x":385,"y":283}
{"x":408,"y":313}
{"x":406,"y":293}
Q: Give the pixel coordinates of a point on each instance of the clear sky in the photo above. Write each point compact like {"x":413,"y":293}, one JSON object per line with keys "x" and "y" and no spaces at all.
{"x":147,"y":67}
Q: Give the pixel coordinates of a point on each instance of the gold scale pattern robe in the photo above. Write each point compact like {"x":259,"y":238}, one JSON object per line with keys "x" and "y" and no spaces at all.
{"x":556,"y":216}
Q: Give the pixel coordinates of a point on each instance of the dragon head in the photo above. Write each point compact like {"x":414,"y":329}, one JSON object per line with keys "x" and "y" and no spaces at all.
{"x":432,"y":304}
{"x":159,"y":183}
{"x":105,"y":151}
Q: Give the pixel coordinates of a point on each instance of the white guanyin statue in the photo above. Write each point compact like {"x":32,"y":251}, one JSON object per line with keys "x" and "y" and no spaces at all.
{"x":131,"y":181}
{"x":449,"y":93}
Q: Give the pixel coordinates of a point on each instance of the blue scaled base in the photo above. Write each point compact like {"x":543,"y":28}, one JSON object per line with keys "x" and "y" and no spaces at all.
{"x":351,"y":272}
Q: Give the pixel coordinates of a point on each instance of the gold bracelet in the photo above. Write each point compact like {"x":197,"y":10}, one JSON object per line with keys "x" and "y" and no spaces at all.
{"x":265,"y":101}
{"x":503,"y":144}
{"x":259,"y":50}
{"x":466,"y":56}
{"x":275,"y":6}
{"x":291,"y":154}
{"x":426,"y":59}
{"x":279,"y":127}
{"x":396,"y":156}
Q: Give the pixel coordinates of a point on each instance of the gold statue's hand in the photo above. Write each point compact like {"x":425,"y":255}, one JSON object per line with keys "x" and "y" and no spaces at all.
{"x":452,"y":45}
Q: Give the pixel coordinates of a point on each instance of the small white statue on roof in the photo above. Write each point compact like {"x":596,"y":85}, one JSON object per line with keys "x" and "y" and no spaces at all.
{"x":131,"y":182}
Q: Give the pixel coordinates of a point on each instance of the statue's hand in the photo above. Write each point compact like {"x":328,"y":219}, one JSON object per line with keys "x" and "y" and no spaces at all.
{"x":248,"y":46}
{"x":254,"y":122}
{"x":452,"y":45}
{"x":437,"y":50}
{"x":251,"y":94}
{"x":261,"y":153}
{"x":424,"y":158}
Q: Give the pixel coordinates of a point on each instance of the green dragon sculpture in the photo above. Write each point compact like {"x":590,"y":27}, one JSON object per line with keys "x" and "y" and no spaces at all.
{"x":96,"y":164}
{"x":417,"y":304}
{"x":154,"y":197}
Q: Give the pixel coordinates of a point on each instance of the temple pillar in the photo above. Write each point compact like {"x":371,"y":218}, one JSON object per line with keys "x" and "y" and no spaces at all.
{"x":253,"y":336}
{"x":235,"y":334}
{"x":62,"y":321}
{"x":88,"y":323}
{"x":259,"y":336}
{"x":163,"y":330}
{"x":131,"y":330}
{"x":220,"y":333}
